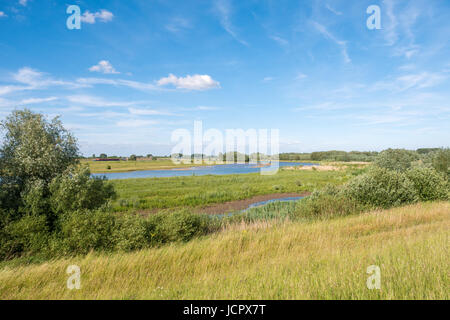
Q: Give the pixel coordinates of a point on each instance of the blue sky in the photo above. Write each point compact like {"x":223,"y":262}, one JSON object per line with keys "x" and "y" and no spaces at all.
{"x":137,"y":70}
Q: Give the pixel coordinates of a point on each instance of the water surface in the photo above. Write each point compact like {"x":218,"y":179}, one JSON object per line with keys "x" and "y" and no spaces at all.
{"x":221,"y":169}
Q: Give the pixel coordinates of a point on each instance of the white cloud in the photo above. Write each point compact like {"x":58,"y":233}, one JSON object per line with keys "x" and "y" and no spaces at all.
{"x":206,"y":108}
{"x":333,"y":10}
{"x":300,"y":76}
{"x":23,"y":2}
{"x":119,"y":82}
{"x":223,"y":8}
{"x":104,"y":66}
{"x":38,"y":100}
{"x":194,"y":82}
{"x":2,"y":14}
{"x":279,"y":40}
{"x":98,"y":102}
{"x":328,"y":35}
{"x":102,"y":15}
{"x":132,"y":123}
{"x":31,"y":79}
{"x":267,"y":79}
{"x":409,"y":81}
{"x":178,"y":24}
{"x":147,"y":112}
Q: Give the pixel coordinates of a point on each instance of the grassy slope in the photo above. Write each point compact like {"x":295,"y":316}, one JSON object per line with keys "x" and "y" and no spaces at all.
{"x":321,"y":260}
{"x":203,"y":190}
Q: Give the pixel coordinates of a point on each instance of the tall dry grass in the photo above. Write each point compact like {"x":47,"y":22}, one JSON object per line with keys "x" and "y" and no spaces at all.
{"x":266,"y":260}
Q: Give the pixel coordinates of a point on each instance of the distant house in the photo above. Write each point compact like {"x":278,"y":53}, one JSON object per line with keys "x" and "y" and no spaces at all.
{"x":106,"y":159}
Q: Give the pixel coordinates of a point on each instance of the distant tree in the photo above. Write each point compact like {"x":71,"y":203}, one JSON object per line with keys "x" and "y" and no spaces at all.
{"x":103,"y":155}
{"x":396,"y":159}
{"x":426,"y":150}
{"x":93,"y":156}
{"x":441,"y":160}
{"x":132,"y":157}
{"x":149,"y":155}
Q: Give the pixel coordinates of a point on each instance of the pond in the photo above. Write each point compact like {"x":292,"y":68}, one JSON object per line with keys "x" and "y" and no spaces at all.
{"x":221,"y":169}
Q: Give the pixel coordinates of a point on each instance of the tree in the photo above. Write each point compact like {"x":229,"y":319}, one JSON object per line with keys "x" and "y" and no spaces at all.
{"x":441,"y":160}
{"x":34,"y":151}
{"x":396,"y":159}
{"x":40,"y":173}
{"x":103,"y":155}
{"x":132,"y":157}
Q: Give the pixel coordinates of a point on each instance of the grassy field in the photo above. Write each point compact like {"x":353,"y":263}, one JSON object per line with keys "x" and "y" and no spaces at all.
{"x":265,"y":260}
{"x":161,"y":193}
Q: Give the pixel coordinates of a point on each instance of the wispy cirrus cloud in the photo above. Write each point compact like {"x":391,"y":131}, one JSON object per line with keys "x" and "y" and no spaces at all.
{"x":133,"y":123}
{"x":2,"y":14}
{"x":224,"y":9}
{"x":178,"y":24}
{"x":281,"y":41}
{"x":411,"y":81}
{"x":38,"y":100}
{"x":93,"y":101}
{"x":333,"y":10}
{"x":342,"y":44}
{"x":30,"y":79}
{"x":149,"y":112}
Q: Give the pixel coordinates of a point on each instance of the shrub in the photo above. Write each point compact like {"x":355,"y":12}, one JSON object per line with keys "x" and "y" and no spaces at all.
{"x":130,"y":232}
{"x":396,"y":159}
{"x":381,"y":188}
{"x":77,"y":190}
{"x":29,"y":234}
{"x":429,"y":184}
{"x":329,"y":202}
{"x":176,"y":226}
{"x":82,"y":231}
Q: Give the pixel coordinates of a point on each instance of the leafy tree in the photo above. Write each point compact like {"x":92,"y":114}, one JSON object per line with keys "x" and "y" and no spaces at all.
{"x":103,"y":155}
{"x":34,"y":151}
{"x":132,"y":157}
{"x":396,"y":159}
{"x":441,"y":160}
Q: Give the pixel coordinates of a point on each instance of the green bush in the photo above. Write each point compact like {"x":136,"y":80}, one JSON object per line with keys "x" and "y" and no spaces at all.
{"x":77,"y":190}
{"x":29,"y":235}
{"x":329,"y":202}
{"x":381,"y":188}
{"x":176,"y":226}
{"x":82,"y":231}
{"x":130,"y":232}
{"x":429,"y":184}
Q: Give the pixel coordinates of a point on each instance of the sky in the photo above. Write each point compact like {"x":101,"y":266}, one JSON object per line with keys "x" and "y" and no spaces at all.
{"x":138,"y":70}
